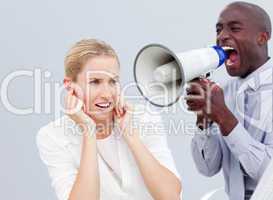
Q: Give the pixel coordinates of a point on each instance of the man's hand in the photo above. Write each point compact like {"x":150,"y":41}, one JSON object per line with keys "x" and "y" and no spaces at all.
{"x":202,"y":121}
{"x":207,"y":99}
{"x":196,"y":102}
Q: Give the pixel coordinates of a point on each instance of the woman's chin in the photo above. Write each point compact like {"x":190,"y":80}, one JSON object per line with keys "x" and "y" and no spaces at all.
{"x":101,"y":116}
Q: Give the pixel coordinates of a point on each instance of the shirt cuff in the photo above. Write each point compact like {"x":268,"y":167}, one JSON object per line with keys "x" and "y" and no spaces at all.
{"x":238,"y":140}
{"x":205,"y":139}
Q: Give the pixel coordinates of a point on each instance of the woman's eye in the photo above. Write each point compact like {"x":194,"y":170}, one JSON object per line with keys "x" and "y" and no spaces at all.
{"x":113,"y":82}
{"x":94,"y":82}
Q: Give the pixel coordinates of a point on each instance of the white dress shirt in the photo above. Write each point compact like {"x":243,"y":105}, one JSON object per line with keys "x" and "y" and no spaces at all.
{"x":244,"y":154}
{"x":264,"y":190}
{"x":60,"y":150}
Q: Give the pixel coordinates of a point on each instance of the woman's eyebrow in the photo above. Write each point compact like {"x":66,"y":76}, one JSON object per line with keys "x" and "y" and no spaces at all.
{"x":94,"y":78}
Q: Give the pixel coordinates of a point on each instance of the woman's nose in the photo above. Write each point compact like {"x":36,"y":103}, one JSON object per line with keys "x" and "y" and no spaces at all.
{"x":106,"y":91}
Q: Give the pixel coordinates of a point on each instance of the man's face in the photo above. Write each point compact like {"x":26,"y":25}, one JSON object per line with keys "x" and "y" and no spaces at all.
{"x":235,"y":29}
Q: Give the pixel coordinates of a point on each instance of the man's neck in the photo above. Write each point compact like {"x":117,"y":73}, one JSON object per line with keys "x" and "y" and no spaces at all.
{"x":257,"y":66}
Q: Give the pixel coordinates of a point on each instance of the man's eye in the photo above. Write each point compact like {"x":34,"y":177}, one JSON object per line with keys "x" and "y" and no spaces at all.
{"x":235,"y":29}
{"x":218,"y":31}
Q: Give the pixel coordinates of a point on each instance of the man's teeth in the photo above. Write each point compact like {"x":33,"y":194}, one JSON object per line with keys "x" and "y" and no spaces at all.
{"x":229,"y":62}
{"x":103,"y":105}
{"x":227,"y":48}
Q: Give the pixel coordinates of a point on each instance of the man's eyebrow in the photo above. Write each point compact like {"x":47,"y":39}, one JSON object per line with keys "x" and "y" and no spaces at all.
{"x":219,"y":24}
{"x":234,"y":23}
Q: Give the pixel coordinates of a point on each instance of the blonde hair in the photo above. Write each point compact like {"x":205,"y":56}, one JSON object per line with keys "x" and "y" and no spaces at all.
{"x":82,"y":51}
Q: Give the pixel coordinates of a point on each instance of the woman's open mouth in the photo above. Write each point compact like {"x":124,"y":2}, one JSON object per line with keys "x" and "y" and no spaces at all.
{"x":233,"y":56}
{"x":103,"y":105}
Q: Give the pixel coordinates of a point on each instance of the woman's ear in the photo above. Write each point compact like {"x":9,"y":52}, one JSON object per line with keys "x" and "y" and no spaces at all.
{"x":71,"y":85}
{"x":67,"y":83}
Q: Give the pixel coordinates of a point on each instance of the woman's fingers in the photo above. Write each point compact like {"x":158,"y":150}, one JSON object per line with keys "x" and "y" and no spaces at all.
{"x":70,"y":91}
{"x":116,"y":111}
{"x":72,"y":103}
{"x":120,"y":107}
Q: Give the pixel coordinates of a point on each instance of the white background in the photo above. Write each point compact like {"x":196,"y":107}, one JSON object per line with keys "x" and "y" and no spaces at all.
{"x":37,"y":34}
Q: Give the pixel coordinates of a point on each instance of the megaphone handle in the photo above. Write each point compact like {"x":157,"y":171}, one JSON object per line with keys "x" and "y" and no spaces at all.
{"x":208,"y":75}
{"x":205,"y":76}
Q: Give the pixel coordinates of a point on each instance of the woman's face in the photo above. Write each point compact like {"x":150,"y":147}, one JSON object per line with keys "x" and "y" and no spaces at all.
{"x":100,"y":88}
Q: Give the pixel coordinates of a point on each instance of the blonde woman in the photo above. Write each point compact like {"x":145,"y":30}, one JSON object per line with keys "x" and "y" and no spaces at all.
{"x":96,"y":152}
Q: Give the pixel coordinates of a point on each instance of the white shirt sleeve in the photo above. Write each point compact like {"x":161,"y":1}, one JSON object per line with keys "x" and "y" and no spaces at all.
{"x":154,"y":136}
{"x":206,"y":151}
{"x":264,"y":190}
{"x":59,"y":164}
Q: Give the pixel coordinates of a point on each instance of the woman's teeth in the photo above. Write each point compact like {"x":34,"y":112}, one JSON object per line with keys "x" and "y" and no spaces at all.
{"x":103,"y":105}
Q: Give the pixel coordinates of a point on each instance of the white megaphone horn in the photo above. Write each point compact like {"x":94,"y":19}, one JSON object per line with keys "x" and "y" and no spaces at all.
{"x":161,"y":74}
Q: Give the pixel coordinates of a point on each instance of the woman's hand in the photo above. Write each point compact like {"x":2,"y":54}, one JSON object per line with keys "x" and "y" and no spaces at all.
{"x":124,"y":115}
{"x":74,"y":108}
{"x":86,"y":184}
{"x":152,"y":171}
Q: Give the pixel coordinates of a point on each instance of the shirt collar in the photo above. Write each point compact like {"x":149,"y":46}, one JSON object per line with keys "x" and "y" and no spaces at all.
{"x":261,"y":76}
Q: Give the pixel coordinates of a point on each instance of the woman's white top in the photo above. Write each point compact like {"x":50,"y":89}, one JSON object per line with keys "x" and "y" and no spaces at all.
{"x":120,"y":179}
{"x":108,"y":150}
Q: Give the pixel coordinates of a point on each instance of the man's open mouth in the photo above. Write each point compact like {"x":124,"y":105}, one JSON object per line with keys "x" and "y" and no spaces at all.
{"x":232,"y":54}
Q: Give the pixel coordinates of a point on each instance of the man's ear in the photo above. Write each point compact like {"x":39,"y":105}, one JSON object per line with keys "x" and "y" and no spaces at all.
{"x":263,"y":38}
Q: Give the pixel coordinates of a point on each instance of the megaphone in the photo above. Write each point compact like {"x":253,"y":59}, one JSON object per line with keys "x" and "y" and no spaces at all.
{"x":161,"y":74}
